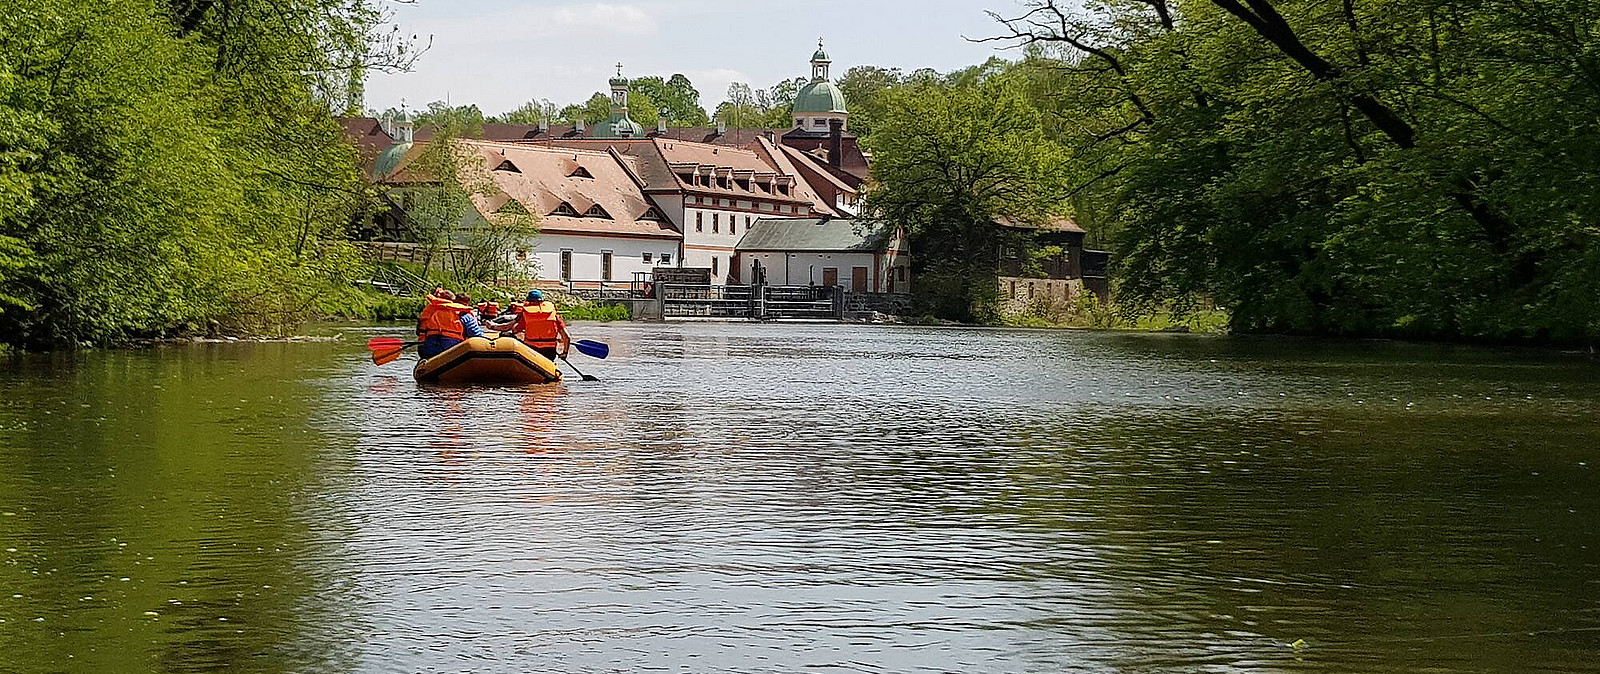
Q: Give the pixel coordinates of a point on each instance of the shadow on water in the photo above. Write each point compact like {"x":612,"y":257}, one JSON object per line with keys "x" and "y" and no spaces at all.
{"x":754,"y":498}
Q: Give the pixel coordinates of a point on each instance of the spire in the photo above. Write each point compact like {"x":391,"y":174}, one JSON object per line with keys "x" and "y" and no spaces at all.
{"x":619,"y":91}
{"x":819,"y":63}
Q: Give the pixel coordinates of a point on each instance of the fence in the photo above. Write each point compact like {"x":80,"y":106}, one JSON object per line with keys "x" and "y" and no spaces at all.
{"x":757,"y":302}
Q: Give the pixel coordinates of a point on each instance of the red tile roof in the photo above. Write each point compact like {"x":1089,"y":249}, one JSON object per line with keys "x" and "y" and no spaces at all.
{"x":542,"y":178}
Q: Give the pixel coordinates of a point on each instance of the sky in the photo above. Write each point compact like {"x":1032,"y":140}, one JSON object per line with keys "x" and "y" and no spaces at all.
{"x":500,"y":54}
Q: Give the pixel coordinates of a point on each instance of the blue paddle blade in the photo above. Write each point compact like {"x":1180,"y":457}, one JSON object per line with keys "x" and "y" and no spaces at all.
{"x":592,"y":349}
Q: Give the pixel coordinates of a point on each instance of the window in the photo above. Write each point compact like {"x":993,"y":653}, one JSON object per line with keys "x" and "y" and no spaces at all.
{"x":714,"y":218}
{"x":580,"y":172}
{"x":901,"y":271}
{"x":565,"y":209}
{"x":819,"y":122}
{"x":666,"y":258}
{"x":605,"y":265}
{"x":714,"y":265}
{"x":566,"y":265}
{"x":647,"y":257}
{"x":784,"y":208}
{"x":699,"y":222}
{"x":733,"y":228}
{"x":596,"y":211}
{"x":507,"y":166}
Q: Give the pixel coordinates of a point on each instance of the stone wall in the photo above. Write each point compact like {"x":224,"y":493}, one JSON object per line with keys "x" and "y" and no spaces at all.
{"x":1020,"y":295}
{"x":896,"y":304}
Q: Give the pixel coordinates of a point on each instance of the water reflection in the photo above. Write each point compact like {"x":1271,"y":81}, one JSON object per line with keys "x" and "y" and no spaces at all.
{"x":767,"y":498}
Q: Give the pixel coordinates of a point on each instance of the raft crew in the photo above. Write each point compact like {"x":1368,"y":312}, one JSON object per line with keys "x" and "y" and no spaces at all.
{"x":445,"y":323}
{"x":488,"y":310}
{"x":540,"y":326}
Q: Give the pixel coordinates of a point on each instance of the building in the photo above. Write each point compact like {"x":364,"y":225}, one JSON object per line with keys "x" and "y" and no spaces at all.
{"x":595,"y":223}
{"x":860,"y":255}
{"x":1064,"y":270}
{"x":705,"y":187}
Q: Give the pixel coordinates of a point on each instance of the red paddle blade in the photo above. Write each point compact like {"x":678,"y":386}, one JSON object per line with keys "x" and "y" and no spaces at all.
{"x":385,"y":357}
{"x":384,"y":343}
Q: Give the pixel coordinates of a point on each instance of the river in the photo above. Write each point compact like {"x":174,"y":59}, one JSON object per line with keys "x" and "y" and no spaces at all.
{"x":772,"y":498}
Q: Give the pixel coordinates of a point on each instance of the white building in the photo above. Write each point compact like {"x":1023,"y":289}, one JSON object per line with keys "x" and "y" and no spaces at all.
{"x":826,"y":252}
{"x":596,"y":227}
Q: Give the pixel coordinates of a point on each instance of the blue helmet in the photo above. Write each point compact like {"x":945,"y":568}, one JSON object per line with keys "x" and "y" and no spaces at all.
{"x":535,"y":296}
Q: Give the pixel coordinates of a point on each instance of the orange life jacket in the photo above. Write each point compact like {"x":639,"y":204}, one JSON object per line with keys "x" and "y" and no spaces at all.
{"x":488,"y":309}
{"x":442,"y":317}
{"x":539,"y":323}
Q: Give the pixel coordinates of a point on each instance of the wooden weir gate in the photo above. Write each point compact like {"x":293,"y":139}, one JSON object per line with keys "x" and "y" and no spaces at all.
{"x":756,"y":302}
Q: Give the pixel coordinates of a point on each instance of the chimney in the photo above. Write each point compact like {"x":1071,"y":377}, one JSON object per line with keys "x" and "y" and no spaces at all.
{"x":771,"y":137}
{"x":661,"y":123}
{"x":544,"y":125}
{"x":578,"y":126}
{"x":835,"y":142}
{"x":722,"y":126}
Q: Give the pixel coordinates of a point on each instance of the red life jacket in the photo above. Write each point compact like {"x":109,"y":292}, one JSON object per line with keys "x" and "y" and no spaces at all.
{"x":488,"y":309}
{"x":442,"y":317}
{"x":539,"y":322}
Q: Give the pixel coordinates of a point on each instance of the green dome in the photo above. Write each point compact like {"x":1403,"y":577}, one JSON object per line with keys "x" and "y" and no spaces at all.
{"x":389,"y":159}
{"x":619,"y":126}
{"x":820,"y":55}
{"x":819,"y":96}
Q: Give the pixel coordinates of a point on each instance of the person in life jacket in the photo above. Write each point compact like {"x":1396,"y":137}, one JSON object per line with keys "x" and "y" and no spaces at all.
{"x":541,"y":327}
{"x":441,"y":326}
{"x":488,"y":310}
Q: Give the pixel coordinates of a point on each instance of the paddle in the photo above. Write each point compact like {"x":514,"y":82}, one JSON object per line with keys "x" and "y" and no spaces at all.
{"x":592,"y":348}
{"x":586,"y":377}
{"x":386,"y":350}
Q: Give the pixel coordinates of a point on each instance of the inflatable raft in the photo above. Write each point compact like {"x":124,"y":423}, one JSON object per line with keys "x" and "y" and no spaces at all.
{"x":487,"y":361}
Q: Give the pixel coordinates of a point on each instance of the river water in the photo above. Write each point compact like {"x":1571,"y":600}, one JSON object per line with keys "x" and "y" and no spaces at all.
{"x":772,"y":498}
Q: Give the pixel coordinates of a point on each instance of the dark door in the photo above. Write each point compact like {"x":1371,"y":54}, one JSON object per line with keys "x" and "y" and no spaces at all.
{"x":858,"y":279}
{"x":830,"y":276}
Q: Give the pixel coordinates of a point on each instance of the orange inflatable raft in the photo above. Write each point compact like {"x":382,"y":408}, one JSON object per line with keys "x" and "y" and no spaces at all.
{"x":487,"y":361}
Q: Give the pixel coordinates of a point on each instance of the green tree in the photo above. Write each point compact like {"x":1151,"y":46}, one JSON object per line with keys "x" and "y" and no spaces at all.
{"x":532,"y":112}
{"x":676,"y":95}
{"x":461,"y":219}
{"x":950,"y":163}
{"x":171,"y":168}
{"x":1370,"y":167}
{"x":462,"y":121}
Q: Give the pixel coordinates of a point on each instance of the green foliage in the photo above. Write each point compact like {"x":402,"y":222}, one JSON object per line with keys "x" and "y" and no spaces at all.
{"x":589,"y":311}
{"x":532,"y":112}
{"x":951,"y":162}
{"x":368,"y":305}
{"x":649,"y":95}
{"x":957,"y":292}
{"x":166,"y":169}
{"x":450,"y":218}
{"x":1412,"y":168}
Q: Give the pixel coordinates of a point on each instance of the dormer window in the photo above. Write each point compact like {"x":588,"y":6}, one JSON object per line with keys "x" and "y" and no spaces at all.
{"x":743,"y":184}
{"x":596,"y":211}
{"x":566,"y":209}
{"x":581,"y":172}
{"x":651,"y":215}
{"x":508,"y":167}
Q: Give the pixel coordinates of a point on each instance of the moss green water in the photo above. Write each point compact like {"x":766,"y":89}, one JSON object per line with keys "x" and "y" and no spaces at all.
{"x":768,"y":498}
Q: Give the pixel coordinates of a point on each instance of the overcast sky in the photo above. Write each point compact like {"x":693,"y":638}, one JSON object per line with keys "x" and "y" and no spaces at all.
{"x":502,"y":53}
